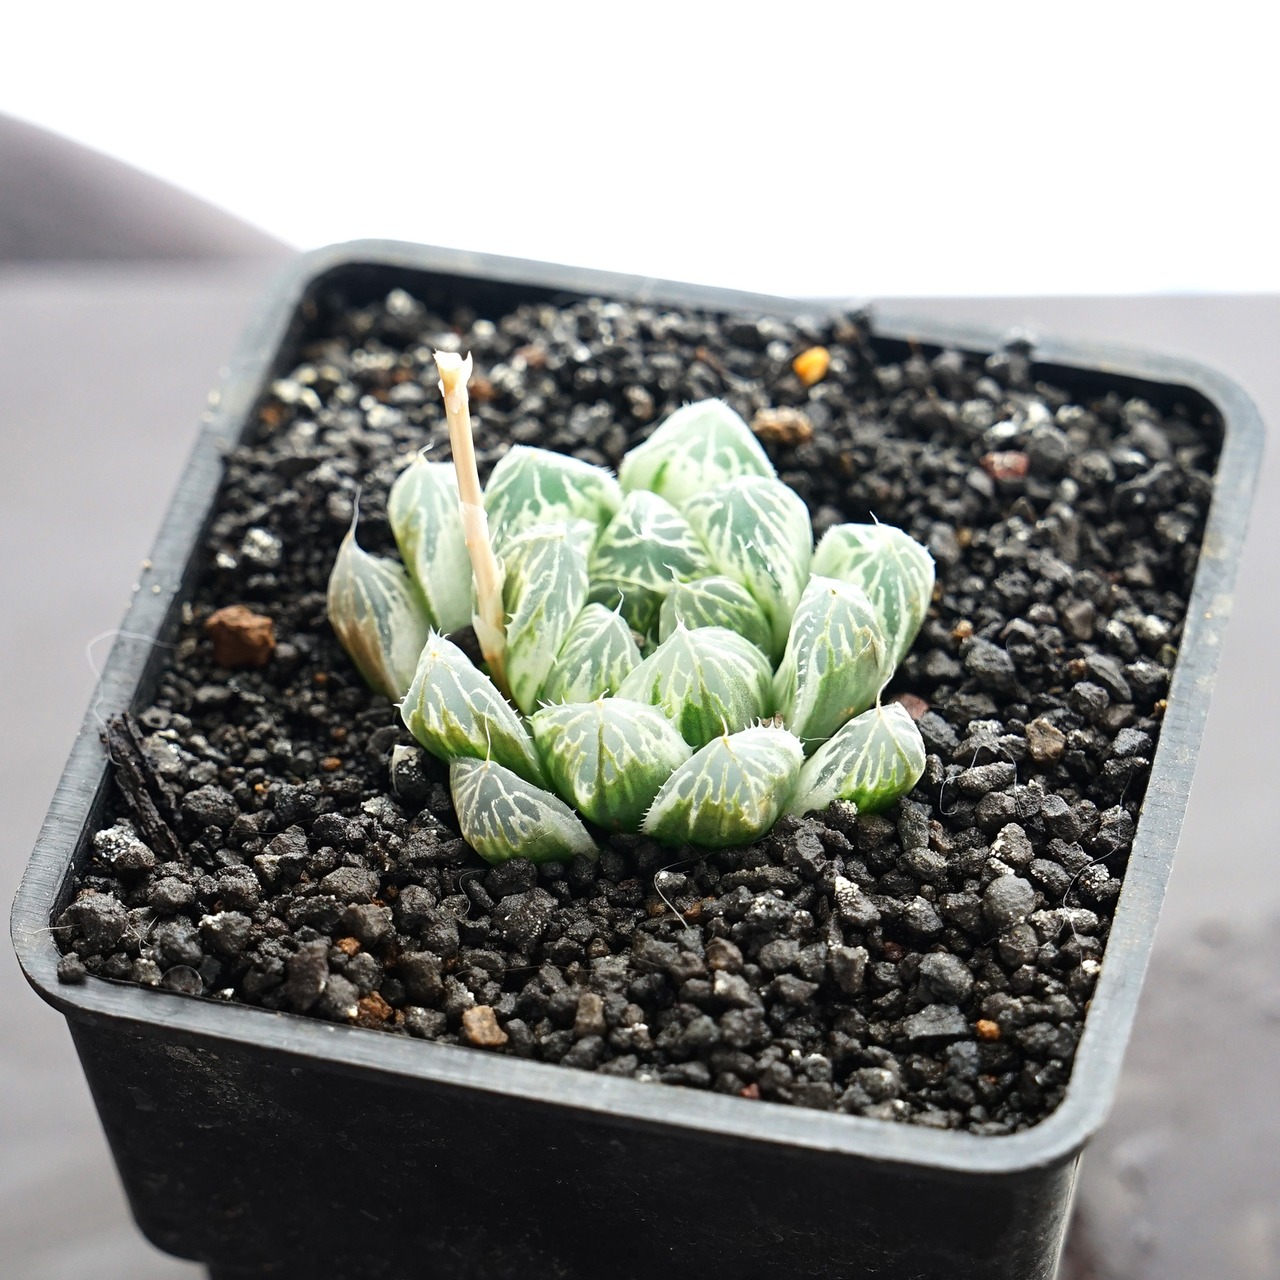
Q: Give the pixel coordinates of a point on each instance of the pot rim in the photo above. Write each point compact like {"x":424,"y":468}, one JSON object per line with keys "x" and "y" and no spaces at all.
{"x":1095,"y":1071}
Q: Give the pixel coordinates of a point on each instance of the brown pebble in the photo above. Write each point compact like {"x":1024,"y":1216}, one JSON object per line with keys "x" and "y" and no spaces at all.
{"x":914,"y":707}
{"x":784,"y":426}
{"x":481,"y":389}
{"x":348,"y":946}
{"x":811,"y":366}
{"x":751,"y":1091}
{"x":1005,"y":464}
{"x":373,"y":1010}
{"x":987,"y":1030}
{"x":962,"y":630}
{"x":331,"y":764}
{"x":1045,"y":741}
{"x":480,"y":1028}
{"x":241,"y":638}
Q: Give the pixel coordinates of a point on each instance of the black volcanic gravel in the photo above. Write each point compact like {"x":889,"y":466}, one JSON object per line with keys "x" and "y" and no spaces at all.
{"x":931,"y":964}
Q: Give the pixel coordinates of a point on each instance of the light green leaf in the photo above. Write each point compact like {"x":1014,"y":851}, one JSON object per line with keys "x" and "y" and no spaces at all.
{"x":891,"y":567}
{"x":597,"y":655}
{"x":715,"y":602}
{"x":502,"y":816}
{"x":544,"y":591}
{"x":836,"y":661}
{"x":536,"y":486}
{"x":758,"y":533}
{"x":378,"y":616}
{"x":646,"y":548}
{"x":730,"y":792}
{"x":454,"y":710}
{"x":877,"y":757}
{"x":423,"y":510}
{"x":707,"y":682}
{"x":609,"y":757}
{"x":697,"y":447}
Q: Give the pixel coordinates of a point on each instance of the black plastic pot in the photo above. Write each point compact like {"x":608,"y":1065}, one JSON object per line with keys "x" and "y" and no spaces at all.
{"x":271,"y":1145}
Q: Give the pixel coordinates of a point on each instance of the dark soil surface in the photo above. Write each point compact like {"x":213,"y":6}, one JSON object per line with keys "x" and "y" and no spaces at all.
{"x":933,"y":964}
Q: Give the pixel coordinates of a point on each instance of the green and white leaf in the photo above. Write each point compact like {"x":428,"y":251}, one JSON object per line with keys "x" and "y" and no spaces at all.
{"x":891,"y":567}
{"x":716,"y":601}
{"x":646,"y":548}
{"x":423,"y":509}
{"x":699,"y":446}
{"x":877,"y":757}
{"x":537,"y":486}
{"x":609,"y":757}
{"x":757,"y":532}
{"x":597,"y":655}
{"x":502,"y":816}
{"x":455,"y":710}
{"x":835,"y":664}
{"x":730,"y":792}
{"x":544,"y":591}
{"x":378,"y":616}
{"x":707,"y":682}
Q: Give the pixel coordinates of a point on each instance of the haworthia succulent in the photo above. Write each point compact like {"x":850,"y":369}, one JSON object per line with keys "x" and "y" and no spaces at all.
{"x":891,"y":567}
{"x":697,"y":447}
{"x":730,"y":792}
{"x":423,"y":510}
{"x":707,"y":682}
{"x":597,"y":655}
{"x":610,"y":757}
{"x":544,"y":591}
{"x":502,"y":816}
{"x":757,"y":532}
{"x":378,"y":615}
{"x":877,"y":757}
{"x":715,"y":602}
{"x":835,"y":663}
{"x":646,"y":548}
{"x":454,"y":710}
{"x":537,"y":486}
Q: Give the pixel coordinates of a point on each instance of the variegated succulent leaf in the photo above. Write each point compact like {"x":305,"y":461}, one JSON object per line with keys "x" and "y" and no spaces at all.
{"x":609,"y":757}
{"x":699,"y":446}
{"x":891,"y":567}
{"x":454,"y":710}
{"x":378,"y":616}
{"x":645,"y":549}
{"x":597,"y":655}
{"x":715,"y":601}
{"x":501,"y":816}
{"x":836,"y":661}
{"x":707,"y":682}
{"x":877,"y":757}
{"x":730,"y":792}
{"x":544,"y":591}
{"x":423,"y":510}
{"x":757,"y":532}
{"x":537,"y":486}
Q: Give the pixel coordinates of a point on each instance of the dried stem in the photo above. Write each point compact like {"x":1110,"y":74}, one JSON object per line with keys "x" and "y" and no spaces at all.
{"x":490,"y":619}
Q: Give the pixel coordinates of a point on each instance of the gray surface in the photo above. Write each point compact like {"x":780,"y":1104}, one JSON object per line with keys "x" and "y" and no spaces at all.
{"x":102,"y":380}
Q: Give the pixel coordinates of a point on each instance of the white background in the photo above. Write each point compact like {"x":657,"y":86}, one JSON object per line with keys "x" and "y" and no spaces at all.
{"x":834,"y":149}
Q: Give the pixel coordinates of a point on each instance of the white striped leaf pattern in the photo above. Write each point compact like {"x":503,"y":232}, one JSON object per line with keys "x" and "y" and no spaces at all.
{"x":609,"y":757}
{"x":597,"y":655}
{"x":891,"y":567}
{"x":697,"y":447}
{"x":502,"y":816}
{"x":455,"y":710}
{"x":707,"y":682}
{"x":423,"y":509}
{"x":877,"y":757}
{"x":758,"y":533}
{"x":544,"y":590}
{"x":375,"y":609}
{"x":537,"y":486}
{"x":835,"y":664}
{"x":730,"y":792}
{"x":715,"y":601}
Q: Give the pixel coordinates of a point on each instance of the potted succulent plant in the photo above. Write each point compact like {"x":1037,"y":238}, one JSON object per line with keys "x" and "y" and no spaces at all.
{"x":736,"y":832}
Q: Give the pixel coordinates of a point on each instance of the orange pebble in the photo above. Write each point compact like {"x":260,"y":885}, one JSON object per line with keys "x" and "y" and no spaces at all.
{"x":811,"y":366}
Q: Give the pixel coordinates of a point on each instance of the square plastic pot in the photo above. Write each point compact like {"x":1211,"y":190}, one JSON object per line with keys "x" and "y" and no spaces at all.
{"x":266,"y":1144}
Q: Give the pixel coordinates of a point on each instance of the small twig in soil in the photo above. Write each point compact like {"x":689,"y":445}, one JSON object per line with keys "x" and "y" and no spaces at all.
{"x":138,"y":784}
